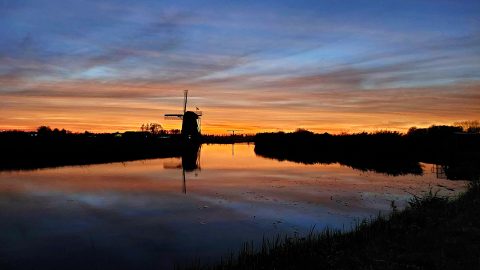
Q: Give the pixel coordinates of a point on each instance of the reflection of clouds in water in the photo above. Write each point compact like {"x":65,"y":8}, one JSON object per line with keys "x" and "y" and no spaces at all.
{"x":136,"y":212}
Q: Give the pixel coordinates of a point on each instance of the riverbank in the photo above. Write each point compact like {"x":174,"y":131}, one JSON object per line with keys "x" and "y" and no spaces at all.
{"x":20,"y":150}
{"x":431,"y":233}
{"x":31,"y":150}
{"x":391,"y":153}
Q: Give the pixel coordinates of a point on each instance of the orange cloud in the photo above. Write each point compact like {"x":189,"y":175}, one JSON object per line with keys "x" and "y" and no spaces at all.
{"x":119,"y":106}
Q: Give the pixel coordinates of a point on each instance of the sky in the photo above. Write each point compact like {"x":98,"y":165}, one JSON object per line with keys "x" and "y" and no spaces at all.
{"x":256,"y":66}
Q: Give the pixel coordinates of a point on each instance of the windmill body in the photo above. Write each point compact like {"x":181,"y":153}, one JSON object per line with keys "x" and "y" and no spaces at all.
{"x":190,"y":120}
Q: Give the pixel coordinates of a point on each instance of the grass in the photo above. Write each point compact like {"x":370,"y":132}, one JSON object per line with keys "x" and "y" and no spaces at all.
{"x":433,"y":232}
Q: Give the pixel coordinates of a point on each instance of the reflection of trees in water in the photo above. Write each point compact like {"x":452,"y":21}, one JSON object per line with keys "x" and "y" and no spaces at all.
{"x":457,"y":171}
{"x":385,"y":152}
{"x":389,"y":167}
{"x":385,"y":166}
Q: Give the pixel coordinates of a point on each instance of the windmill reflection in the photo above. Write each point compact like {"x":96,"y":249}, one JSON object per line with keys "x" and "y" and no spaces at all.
{"x":190,"y":162}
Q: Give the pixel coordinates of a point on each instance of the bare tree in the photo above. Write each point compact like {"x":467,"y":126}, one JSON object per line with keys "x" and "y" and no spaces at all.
{"x":153,"y":128}
{"x":472,"y":126}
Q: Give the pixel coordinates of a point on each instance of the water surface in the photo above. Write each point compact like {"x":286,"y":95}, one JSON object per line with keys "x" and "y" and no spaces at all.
{"x":150,"y":214}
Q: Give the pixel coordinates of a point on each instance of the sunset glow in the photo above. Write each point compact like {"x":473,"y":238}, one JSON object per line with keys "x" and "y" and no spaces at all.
{"x":327,"y":66}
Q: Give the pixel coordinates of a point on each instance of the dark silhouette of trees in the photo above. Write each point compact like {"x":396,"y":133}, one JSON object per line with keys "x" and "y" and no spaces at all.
{"x":388,"y":152}
{"x":50,"y":148}
{"x":174,"y":131}
{"x":469,"y":126}
{"x":44,"y":131}
{"x":153,"y":128}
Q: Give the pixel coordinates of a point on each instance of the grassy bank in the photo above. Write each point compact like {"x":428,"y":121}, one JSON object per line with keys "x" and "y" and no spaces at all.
{"x":431,"y":233}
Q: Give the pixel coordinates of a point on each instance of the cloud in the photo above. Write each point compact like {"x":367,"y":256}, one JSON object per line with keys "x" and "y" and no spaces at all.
{"x":254,"y":67}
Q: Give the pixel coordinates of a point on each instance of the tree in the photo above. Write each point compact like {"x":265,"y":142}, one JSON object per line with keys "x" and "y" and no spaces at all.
{"x":472,"y":126}
{"x":153,"y":128}
{"x":44,"y":131}
{"x":303,"y":131}
{"x":174,"y":131}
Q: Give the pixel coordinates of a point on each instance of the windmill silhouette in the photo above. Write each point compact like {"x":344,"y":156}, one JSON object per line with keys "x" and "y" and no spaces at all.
{"x":191,"y":120}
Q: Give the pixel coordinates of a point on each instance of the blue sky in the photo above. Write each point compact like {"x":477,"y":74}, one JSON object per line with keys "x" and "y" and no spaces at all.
{"x":271,"y":65}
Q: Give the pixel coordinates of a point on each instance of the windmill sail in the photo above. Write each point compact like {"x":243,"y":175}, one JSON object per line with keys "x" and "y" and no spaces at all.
{"x":173,"y":116}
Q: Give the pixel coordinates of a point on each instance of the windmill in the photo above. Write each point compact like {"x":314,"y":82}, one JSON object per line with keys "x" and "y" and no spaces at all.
{"x":191,"y":120}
